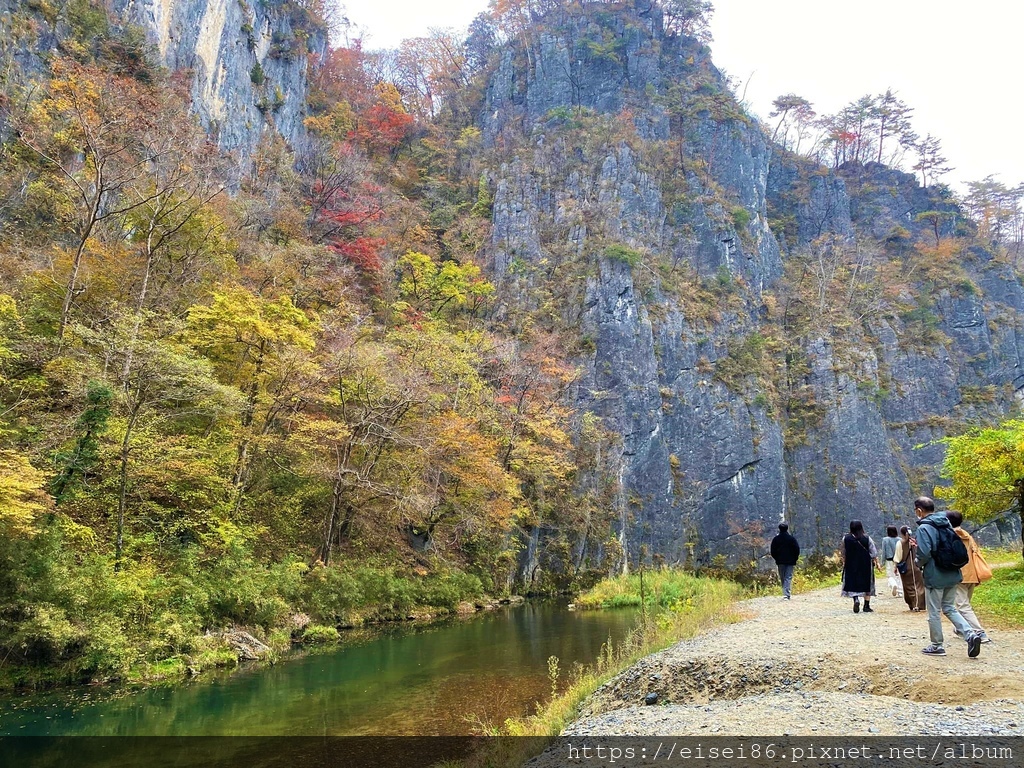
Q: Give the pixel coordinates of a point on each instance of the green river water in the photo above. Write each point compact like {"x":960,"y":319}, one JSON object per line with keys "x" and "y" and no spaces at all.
{"x":435,"y":680}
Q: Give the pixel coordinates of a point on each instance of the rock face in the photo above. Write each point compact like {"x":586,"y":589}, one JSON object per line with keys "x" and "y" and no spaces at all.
{"x":249,"y":61}
{"x":626,"y":174}
{"x":1002,"y":532}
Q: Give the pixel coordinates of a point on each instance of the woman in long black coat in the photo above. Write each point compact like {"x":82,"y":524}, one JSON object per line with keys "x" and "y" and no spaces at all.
{"x":860,"y":557}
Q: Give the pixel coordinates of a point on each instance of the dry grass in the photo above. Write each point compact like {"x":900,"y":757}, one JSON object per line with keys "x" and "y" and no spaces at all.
{"x":690,"y":605}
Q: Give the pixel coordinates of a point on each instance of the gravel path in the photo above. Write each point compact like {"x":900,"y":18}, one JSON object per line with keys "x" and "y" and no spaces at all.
{"x":810,"y":666}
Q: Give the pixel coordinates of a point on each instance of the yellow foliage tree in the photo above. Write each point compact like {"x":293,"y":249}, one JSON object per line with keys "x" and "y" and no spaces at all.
{"x":22,"y":498}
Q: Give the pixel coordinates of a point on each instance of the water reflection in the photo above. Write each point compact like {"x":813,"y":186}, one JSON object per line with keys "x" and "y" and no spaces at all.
{"x":438,"y":680}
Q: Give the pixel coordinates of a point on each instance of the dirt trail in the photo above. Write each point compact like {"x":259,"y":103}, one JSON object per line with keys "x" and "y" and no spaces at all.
{"x":810,"y":666}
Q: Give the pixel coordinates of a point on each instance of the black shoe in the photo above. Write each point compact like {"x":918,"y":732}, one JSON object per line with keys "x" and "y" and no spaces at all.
{"x":856,"y":605}
{"x":974,"y":644}
{"x":868,"y":608}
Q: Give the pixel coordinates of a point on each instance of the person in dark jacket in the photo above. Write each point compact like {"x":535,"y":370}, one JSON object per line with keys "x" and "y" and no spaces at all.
{"x":860,"y":558}
{"x":939,"y":584}
{"x":785,"y":551}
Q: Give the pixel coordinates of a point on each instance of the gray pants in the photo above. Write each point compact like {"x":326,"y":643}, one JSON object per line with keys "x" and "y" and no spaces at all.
{"x":786,"y":577}
{"x":941,"y":601}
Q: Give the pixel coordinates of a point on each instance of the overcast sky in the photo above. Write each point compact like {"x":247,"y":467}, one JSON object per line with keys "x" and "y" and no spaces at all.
{"x":952,"y":61}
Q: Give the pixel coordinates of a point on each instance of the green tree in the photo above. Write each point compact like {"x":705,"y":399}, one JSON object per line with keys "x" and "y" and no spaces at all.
{"x":94,"y":137}
{"x":166,"y":382}
{"x":892,"y":120}
{"x":76,"y":464}
{"x":791,"y":110}
{"x":986,"y":467}
{"x":432,"y":288}
{"x":262,"y":347}
{"x":930,"y":161}
{"x":689,"y":17}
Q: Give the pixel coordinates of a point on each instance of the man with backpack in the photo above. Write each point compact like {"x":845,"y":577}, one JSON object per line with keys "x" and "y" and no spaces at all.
{"x":941,"y":554}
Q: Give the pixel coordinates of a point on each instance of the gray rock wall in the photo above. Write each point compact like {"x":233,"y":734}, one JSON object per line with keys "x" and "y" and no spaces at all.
{"x":698,"y":462}
{"x":226,"y":44}
{"x":707,"y":463}
{"x":1003,"y":532}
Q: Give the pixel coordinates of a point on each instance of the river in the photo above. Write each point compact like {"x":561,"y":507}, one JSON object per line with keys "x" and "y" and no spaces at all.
{"x":443,"y":679}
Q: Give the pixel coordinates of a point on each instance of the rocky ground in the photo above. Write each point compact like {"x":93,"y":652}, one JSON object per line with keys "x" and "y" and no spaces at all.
{"x":810,"y":666}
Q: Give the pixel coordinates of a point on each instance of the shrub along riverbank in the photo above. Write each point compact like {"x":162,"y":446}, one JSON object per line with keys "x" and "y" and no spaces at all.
{"x":90,"y":623}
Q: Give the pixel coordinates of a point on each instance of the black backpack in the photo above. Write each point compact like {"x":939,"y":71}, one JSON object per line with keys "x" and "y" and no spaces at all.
{"x":949,"y":552}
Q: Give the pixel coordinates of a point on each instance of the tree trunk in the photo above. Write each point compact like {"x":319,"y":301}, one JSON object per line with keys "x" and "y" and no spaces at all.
{"x":69,"y":290}
{"x":122,"y":493}
{"x":332,"y":523}
{"x":240,"y":475}
{"x":140,"y":305}
{"x":76,"y":264}
{"x":346,"y":522}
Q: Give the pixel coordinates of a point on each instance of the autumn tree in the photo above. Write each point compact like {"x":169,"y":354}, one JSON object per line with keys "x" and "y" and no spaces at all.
{"x":434,"y":289}
{"x":91,"y":134}
{"x":998,"y":209}
{"x":344,"y":203}
{"x":22,"y":495}
{"x":382,"y":129}
{"x":170,"y":224}
{"x":986,"y":468}
{"x":260,"y":346}
{"x":339,"y":88}
{"x":355,"y":436}
{"x":464,"y":487}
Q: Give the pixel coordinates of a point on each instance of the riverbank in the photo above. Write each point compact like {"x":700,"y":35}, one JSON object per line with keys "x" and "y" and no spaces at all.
{"x":140,"y":626}
{"x":237,"y":648}
{"x":810,"y":666}
{"x":443,"y":679}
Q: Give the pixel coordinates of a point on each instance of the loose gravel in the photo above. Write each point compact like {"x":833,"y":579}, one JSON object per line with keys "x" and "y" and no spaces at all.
{"x":810,"y":666}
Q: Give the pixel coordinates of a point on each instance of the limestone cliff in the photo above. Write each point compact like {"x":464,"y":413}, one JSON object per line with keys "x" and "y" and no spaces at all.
{"x":633,"y":193}
{"x":249,"y":61}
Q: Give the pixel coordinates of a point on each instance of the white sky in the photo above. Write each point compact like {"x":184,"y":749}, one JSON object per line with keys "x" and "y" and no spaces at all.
{"x":954,"y":62}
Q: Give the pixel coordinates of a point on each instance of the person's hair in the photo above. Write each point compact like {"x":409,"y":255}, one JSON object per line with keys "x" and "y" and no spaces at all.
{"x":856,"y":526}
{"x":905,"y":529}
{"x":923,"y":502}
{"x":783,"y":527}
{"x":955,"y":518}
{"x":890,"y":531}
